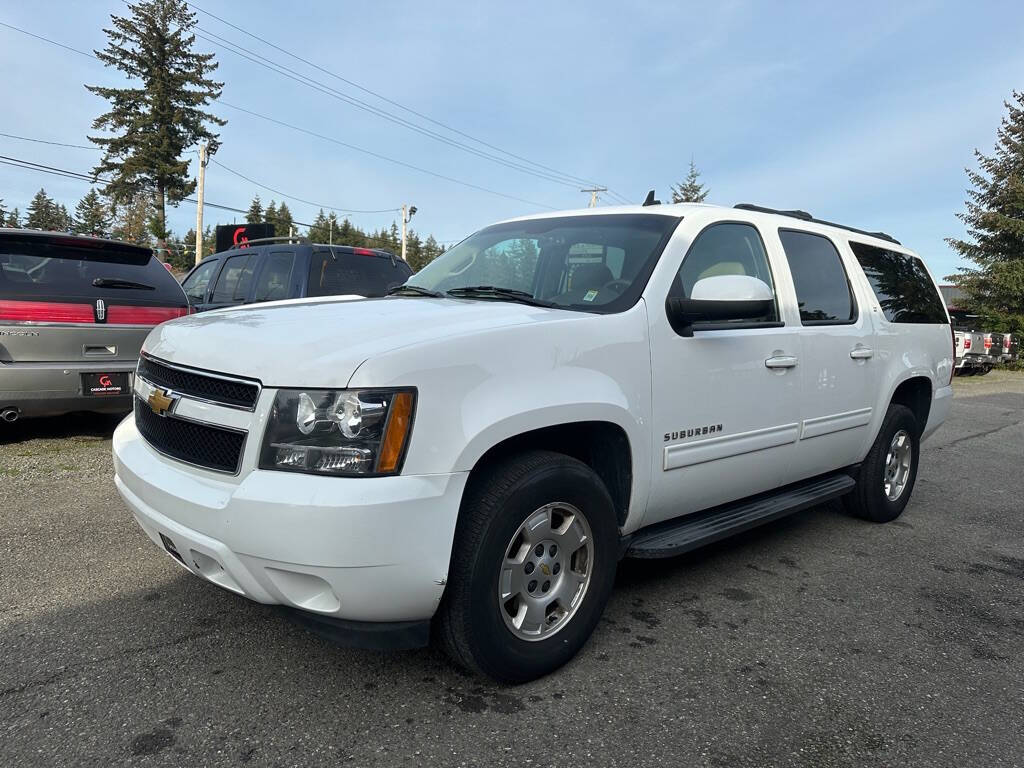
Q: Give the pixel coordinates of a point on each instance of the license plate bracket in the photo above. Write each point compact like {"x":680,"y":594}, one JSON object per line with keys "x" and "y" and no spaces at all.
{"x":105,"y":384}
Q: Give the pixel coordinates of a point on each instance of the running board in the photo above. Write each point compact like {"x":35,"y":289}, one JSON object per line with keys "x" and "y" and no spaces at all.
{"x":675,"y":537}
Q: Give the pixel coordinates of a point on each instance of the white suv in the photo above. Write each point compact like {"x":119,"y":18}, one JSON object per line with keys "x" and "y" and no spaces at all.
{"x":480,"y":449}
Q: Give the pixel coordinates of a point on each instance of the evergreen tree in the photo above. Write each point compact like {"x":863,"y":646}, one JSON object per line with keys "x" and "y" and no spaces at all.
{"x":270,"y":216}
{"x":691,"y":190}
{"x":161,"y":115}
{"x":189,"y":244}
{"x":995,"y":228}
{"x":320,"y":231}
{"x":131,"y":220}
{"x":92,"y":214}
{"x":3,"y":214}
{"x":255,"y":213}
{"x":43,"y":212}
{"x":14,"y":218}
{"x":283,"y":225}
{"x":393,"y":239}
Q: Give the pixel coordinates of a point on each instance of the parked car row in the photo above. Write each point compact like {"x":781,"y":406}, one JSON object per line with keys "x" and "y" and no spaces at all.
{"x":978,"y":352}
{"x":74,"y":310}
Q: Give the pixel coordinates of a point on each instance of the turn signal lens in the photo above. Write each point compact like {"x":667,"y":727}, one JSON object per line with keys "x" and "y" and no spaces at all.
{"x":396,"y":432}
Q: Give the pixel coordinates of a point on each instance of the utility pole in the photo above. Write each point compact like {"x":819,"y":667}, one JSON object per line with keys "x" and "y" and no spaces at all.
{"x":199,"y":201}
{"x":408,"y":211}
{"x":330,"y":238}
{"x":593,"y":194}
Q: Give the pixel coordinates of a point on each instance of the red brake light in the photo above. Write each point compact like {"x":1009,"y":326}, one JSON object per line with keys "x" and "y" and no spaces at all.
{"x":45,"y":312}
{"x":363,"y":252}
{"x":1006,"y":342}
{"x":988,"y":342}
{"x":143,"y":315}
{"x":967,"y":342}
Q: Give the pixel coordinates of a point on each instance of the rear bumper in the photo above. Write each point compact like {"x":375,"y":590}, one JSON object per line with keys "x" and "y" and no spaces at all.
{"x":50,"y":389}
{"x":348,"y":549}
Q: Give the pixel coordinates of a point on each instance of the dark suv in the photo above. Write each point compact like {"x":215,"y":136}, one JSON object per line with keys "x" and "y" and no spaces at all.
{"x":290,"y":268}
{"x":74,"y":312}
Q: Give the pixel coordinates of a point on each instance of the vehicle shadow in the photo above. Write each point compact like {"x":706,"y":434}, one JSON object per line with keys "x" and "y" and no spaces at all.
{"x":81,"y":424}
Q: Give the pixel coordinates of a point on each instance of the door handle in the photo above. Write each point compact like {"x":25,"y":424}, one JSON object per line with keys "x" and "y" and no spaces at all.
{"x":861,"y":353}
{"x":780,"y":361}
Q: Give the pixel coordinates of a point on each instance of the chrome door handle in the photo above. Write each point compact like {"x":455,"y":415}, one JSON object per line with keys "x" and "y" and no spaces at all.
{"x":861,"y":353}
{"x":780,"y":361}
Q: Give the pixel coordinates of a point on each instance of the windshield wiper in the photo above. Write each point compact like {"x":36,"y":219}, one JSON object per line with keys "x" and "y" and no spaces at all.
{"x":116,"y":282}
{"x":496,"y":292}
{"x":415,"y":290}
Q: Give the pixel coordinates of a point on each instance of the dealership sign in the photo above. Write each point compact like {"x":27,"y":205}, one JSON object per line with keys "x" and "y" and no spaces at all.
{"x":232,"y":235}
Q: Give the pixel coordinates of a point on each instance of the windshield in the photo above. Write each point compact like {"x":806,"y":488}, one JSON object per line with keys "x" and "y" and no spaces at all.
{"x":596,"y":263}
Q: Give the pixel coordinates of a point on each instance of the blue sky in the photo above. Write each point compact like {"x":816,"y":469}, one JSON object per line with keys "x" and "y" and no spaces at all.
{"x":862,"y":113}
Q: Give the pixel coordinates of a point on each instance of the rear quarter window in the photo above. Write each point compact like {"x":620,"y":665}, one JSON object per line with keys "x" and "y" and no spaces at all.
{"x":50,"y":268}
{"x":333,"y":273}
{"x":901,"y":283}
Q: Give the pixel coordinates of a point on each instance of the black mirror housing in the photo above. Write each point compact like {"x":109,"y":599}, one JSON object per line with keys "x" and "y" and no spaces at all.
{"x":683,"y":313}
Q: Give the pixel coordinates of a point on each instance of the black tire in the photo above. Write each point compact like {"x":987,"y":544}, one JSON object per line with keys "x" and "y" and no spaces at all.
{"x":983,"y":370}
{"x":868,"y":499}
{"x":469,"y":623}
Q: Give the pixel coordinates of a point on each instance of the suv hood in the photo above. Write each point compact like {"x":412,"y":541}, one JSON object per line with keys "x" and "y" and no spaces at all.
{"x":322,"y":343}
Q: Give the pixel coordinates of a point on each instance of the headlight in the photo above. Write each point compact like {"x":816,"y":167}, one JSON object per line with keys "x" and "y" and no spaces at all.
{"x":338,"y":431}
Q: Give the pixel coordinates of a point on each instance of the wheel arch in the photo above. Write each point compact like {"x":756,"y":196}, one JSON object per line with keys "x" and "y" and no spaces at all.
{"x":604,"y":446}
{"x":915,"y":392}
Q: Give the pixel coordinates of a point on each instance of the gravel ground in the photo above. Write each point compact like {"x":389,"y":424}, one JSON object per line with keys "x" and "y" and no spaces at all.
{"x":817,"y":641}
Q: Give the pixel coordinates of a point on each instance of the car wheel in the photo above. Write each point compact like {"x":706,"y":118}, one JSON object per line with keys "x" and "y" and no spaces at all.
{"x":532,"y":567}
{"x":887,"y":475}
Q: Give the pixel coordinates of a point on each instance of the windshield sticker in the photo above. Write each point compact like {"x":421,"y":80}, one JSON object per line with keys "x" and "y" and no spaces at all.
{"x":590,"y":295}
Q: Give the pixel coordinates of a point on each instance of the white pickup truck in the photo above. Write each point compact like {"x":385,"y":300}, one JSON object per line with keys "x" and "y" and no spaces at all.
{"x":475,"y":453}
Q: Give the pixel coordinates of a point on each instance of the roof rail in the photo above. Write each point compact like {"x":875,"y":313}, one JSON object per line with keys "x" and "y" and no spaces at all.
{"x":805,"y":216}
{"x":283,"y":239}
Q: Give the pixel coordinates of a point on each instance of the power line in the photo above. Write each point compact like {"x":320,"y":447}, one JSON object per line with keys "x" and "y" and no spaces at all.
{"x":327,"y":138}
{"x":248,"y":34}
{"x":379,"y":156}
{"x":28,"y":165}
{"x":327,"y":90}
{"x":299,"y":199}
{"x":53,"y":143}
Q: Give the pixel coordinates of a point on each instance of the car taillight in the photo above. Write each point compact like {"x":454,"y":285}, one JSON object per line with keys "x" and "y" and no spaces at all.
{"x":121,"y":315}
{"x":363,"y":252}
{"x":45,"y":312}
{"x":988,"y":342}
{"x":1006,"y":342}
{"x":967,"y":343}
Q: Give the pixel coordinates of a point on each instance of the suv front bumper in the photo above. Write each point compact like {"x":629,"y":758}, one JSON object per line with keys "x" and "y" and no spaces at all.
{"x":346,"y":549}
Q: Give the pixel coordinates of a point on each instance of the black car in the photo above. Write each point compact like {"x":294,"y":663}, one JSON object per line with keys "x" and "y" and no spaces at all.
{"x":290,"y":268}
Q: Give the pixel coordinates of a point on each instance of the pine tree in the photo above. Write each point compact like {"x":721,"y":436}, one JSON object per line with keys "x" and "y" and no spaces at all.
{"x":92,"y":214}
{"x":14,"y":219}
{"x":691,"y":190}
{"x":131,"y":220}
{"x":161,"y":115}
{"x":320,"y":231}
{"x":283,"y":225}
{"x":270,"y":216}
{"x":995,"y":228}
{"x":255,"y":213}
{"x":43,"y":213}
{"x":3,"y":214}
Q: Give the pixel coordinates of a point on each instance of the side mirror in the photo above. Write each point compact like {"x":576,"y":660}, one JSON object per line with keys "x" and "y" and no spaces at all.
{"x":718,"y":299}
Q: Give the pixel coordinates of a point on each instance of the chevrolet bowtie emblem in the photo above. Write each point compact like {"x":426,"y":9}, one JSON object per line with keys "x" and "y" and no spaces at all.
{"x":545,"y":569}
{"x":160,"y":401}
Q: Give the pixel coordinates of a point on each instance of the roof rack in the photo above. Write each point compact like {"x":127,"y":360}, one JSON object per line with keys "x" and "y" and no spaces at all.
{"x":805,"y":216}
{"x":283,"y":239}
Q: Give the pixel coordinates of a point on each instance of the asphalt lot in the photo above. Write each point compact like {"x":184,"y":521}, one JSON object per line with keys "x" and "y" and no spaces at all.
{"x":818,"y":641}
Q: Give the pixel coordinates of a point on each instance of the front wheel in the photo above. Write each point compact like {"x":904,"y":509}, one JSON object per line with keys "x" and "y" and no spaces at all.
{"x":887,"y":476}
{"x":532,"y":567}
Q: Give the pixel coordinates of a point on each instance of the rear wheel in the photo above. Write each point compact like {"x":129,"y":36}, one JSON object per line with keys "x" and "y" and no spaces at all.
{"x":888,"y":473}
{"x":532,"y":567}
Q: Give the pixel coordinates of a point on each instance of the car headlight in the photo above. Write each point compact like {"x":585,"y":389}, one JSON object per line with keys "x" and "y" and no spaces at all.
{"x":338,"y":431}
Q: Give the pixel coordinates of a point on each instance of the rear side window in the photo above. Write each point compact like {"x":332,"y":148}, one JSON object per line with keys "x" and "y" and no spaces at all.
{"x":822,"y":287}
{"x":335,"y":272}
{"x":901,"y":284}
{"x":235,"y":279}
{"x":275,"y":278}
{"x":49,"y":268}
